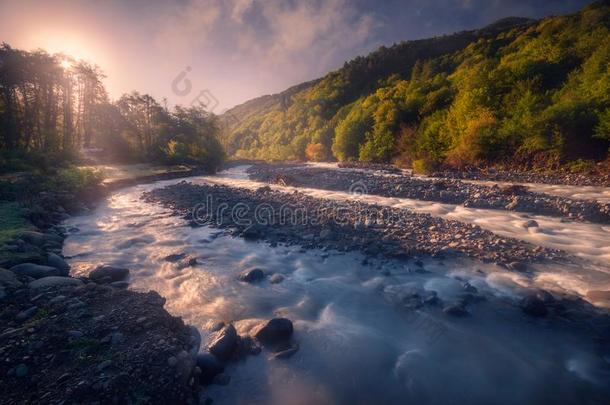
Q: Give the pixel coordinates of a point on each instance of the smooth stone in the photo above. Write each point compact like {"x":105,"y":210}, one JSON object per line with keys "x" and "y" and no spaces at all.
{"x":27,"y":314}
{"x":252,"y":276}
{"x":58,"y":262}
{"x":75,"y":334}
{"x":224,"y":344}
{"x":274,"y":331}
{"x":35,"y":270}
{"x":276,"y":278}
{"x":108,"y":274}
{"x":9,"y":279}
{"x":21,"y":370}
{"x":209,"y":366}
{"x":55,"y":281}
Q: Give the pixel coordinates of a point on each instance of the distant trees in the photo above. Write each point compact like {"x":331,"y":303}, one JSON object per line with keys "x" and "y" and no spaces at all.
{"x":53,"y":105}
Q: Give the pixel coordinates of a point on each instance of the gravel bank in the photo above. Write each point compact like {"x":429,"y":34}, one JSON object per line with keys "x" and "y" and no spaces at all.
{"x":317,"y":223}
{"x":513,"y":198}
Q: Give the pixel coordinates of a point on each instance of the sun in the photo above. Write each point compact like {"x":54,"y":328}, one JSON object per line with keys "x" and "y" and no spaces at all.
{"x":65,"y":64}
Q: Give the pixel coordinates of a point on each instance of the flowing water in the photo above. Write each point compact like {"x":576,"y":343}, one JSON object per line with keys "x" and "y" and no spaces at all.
{"x":358,"y":344}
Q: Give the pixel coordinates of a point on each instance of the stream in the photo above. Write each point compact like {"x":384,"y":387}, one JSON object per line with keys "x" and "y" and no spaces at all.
{"x":358,"y":344}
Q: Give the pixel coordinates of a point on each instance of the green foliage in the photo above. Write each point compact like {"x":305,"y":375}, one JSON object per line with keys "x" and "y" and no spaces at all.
{"x":518,"y":90}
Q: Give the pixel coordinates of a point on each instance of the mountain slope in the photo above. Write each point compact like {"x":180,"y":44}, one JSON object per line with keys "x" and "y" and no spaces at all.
{"x":517,"y":89}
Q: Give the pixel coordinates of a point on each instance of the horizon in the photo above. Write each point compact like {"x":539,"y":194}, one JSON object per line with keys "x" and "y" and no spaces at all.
{"x":212,"y":44}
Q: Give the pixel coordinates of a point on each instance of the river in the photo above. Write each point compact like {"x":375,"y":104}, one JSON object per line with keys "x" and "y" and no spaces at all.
{"x":358,"y":344}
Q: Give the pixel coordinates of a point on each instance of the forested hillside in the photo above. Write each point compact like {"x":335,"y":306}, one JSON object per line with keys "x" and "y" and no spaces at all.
{"x":536,"y":93}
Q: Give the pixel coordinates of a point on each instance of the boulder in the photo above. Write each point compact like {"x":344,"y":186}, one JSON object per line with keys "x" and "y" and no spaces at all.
{"x":9,"y":279}
{"x":252,"y":276}
{"x":276,"y":278}
{"x":55,"y":281}
{"x":35,"y":270}
{"x":224,"y":343}
{"x":274,"y":331}
{"x":59,"y":263}
{"x":210,"y":367}
{"x":533,"y":306}
{"x":108,"y":274}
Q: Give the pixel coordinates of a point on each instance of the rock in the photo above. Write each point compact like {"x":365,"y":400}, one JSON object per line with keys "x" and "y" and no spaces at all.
{"x":27,"y":314}
{"x":9,"y":279}
{"x":210,"y":367}
{"x":119,"y":284}
{"x":276,"y":278}
{"x":55,"y":281}
{"x":285,"y":354}
{"x":75,"y":334}
{"x":252,"y":276}
{"x":59,"y":263}
{"x":35,"y":270}
{"x":533,"y":306}
{"x":531,"y":224}
{"x":21,"y":371}
{"x":517,"y":266}
{"x":469,"y":288}
{"x":104,"y":365}
{"x":108,"y":274}
{"x":456,"y":310}
{"x":173,"y":258}
{"x":274,"y":331}
{"x":224,"y":343}
{"x":326,"y":234}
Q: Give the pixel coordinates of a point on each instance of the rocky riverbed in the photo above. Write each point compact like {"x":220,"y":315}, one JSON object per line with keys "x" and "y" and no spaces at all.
{"x":452,"y":191}
{"x":295,"y":218}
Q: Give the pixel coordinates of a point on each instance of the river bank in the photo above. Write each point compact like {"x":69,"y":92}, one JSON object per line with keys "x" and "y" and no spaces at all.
{"x":507,"y":197}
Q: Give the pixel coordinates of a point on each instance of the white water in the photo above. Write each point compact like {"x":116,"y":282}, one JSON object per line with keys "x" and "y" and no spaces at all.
{"x":358,"y":345}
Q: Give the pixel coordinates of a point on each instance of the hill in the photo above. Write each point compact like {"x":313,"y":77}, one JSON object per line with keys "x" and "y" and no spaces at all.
{"x":525,"y":91}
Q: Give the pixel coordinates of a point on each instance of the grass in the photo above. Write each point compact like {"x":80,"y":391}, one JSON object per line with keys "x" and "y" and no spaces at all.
{"x":12,"y":222}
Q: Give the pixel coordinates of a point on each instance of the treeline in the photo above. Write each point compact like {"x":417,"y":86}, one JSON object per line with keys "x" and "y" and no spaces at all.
{"x":534,"y":93}
{"x":51,"y":107}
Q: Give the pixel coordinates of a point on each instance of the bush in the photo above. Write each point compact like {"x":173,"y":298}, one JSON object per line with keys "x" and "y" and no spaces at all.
{"x":423,"y":166}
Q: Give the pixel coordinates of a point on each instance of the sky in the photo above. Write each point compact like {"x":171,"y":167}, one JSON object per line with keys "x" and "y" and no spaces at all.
{"x":222,"y":53}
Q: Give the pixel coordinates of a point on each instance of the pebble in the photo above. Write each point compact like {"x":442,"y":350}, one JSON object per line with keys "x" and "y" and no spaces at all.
{"x":21,"y":370}
{"x":27,"y":314}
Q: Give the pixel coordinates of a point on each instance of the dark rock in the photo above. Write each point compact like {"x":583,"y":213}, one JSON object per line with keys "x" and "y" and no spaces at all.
{"x":9,"y":279}
{"x":534,"y":306}
{"x":456,"y":310}
{"x":517,"y":266}
{"x":173,"y":258}
{"x":35,"y":270}
{"x":274,"y":331}
{"x":531,"y":224}
{"x":108,"y":274}
{"x":21,"y":370}
{"x":27,"y":314}
{"x":210,"y":367}
{"x":224,"y":344}
{"x":59,"y":263}
{"x":252,"y":276}
{"x":55,"y":281}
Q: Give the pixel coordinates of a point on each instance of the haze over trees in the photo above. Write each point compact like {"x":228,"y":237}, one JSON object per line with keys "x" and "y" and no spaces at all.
{"x":533,"y":93}
{"x":51,"y":106}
